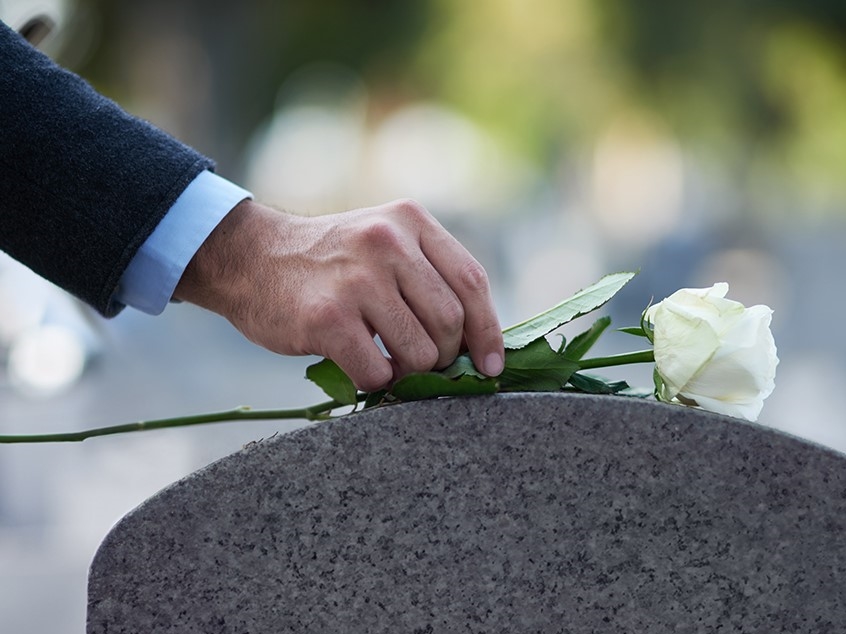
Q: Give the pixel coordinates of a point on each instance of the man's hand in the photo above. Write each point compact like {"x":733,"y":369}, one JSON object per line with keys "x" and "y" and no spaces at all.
{"x":328,"y":285}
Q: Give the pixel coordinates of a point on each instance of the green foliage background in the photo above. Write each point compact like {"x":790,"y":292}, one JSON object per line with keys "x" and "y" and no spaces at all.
{"x":759,"y":86}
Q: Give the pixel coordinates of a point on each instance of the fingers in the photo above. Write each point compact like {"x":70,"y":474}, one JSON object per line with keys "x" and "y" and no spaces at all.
{"x":346,"y":338}
{"x":482,"y":330}
{"x":411,"y":348}
{"x":362,"y":360}
{"x":437,"y":308}
{"x":405,"y":300}
{"x":446,"y":289}
{"x":468,"y":280}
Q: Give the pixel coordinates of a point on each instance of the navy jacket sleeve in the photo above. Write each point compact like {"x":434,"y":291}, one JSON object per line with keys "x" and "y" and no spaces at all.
{"x":82,"y":183}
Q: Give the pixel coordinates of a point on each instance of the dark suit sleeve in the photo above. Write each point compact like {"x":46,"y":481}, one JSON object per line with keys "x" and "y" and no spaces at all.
{"x":82,"y":183}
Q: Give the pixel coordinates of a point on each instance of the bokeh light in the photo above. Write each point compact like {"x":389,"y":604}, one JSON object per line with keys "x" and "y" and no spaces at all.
{"x":46,"y":360}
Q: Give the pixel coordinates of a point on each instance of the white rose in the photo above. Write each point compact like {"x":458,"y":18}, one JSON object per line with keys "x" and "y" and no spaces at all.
{"x":713,"y":352}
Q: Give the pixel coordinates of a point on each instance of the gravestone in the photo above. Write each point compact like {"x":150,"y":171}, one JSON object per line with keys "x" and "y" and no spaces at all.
{"x":510,"y":513}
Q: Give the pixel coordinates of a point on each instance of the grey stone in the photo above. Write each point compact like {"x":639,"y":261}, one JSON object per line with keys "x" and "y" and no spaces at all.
{"x":512,"y":513}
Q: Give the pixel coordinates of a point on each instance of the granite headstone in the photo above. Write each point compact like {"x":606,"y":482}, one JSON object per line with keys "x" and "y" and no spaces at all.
{"x":511,"y":513}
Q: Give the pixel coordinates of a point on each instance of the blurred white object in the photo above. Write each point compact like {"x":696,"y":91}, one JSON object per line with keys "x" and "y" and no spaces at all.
{"x":307,"y":156}
{"x":46,"y":360}
{"x":638,"y":182}
{"x":318,"y":154}
{"x":434,"y":154}
{"x":23,"y":300}
{"x":44,"y":335}
{"x":35,"y":19}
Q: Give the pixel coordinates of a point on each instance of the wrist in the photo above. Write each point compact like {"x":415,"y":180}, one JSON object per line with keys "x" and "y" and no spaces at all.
{"x":214,"y":278}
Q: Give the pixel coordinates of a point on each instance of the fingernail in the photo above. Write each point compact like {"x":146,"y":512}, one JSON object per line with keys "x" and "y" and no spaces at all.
{"x":493,"y":364}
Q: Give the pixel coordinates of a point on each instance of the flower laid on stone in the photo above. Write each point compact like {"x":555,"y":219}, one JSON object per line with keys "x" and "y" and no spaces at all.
{"x":712,"y":352}
{"x":709,"y":352}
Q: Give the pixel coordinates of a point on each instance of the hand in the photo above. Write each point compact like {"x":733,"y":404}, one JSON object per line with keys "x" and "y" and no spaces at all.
{"x":328,"y":285}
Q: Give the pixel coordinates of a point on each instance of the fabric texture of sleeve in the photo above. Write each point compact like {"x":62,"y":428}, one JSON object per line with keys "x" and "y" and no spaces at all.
{"x":152,"y":275}
{"x":82,"y":183}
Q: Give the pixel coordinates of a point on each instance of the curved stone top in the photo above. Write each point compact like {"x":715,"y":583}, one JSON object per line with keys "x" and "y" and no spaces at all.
{"x":510,"y":513}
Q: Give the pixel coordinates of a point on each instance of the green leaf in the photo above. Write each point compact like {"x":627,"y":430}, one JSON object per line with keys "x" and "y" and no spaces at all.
{"x":637,"y":331}
{"x":516,"y":380}
{"x":562,"y":344}
{"x":536,"y":355}
{"x":462,"y":365}
{"x":647,"y":326}
{"x":593,"y":384}
{"x":423,"y":385}
{"x":638,"y":392}
{"x":583,"y":302}
{"x":658,"y":380}
{"x":374,"y":399}
{"x":536,"y":367}
{"x":332,"y":380}
{"x":580,"y":344}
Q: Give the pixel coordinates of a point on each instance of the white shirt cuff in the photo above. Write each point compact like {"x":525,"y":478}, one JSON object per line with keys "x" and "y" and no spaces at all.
{"x":152,"y":275}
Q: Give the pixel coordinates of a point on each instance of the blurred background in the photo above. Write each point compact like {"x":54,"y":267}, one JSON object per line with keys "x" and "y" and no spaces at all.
{"x":558,"y":139}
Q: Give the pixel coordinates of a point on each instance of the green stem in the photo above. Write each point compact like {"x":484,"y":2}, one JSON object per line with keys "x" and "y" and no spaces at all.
{"x":312,"y":413}
{"x":641,"y":356}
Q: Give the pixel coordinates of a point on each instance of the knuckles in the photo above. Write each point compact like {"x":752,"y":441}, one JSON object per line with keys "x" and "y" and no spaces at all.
{"x":383,"y":233}
{"x":410,"y":209}
{"x":380,"y":237}
{"x":325,"y":317}
{"x":425,"y":358}
{"x":473,"y":277}
{"x":372,"y":379}
{"x":451,"y":317}
{"x":392,"y":227}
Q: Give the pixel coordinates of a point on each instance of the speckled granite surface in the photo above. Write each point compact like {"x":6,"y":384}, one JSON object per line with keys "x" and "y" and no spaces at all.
{"x":512,"y":513}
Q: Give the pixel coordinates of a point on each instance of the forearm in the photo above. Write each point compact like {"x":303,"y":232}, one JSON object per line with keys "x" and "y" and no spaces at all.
{"x":82,"y":183}
{"x":216,"y":278}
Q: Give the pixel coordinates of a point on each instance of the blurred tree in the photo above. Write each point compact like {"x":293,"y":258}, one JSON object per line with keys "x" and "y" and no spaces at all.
{"x":762,"y":85}
{"x":248,"y":49}
{"x":762,"y":81}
